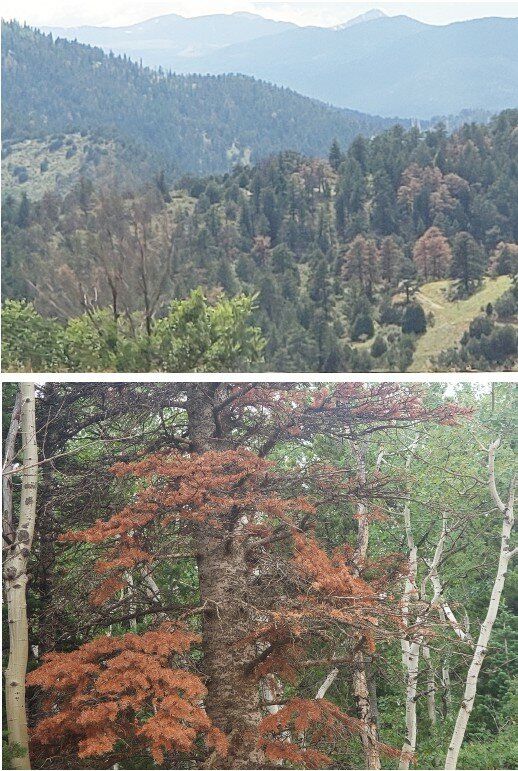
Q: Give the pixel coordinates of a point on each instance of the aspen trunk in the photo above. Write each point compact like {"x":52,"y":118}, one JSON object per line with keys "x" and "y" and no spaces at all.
{"x":470,"y":690}
{"x":367,"y":712}
{"x":233,"y":697}
{"x":445,"y":680}
{"x":365,"y":697}
{"x":410,"y":646}
{"x":133,"y":624}
{"x":410,"y":649}
{"x":412,"y":672}
{"x":15,"y":574}
{"x":430,"y":686}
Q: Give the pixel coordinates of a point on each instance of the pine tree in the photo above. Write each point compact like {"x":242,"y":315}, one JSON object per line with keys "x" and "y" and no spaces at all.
{"x":414,"y":319}
{"x":468,"y":261}
{"x":432,"y":255}
{"x":335,"y":156}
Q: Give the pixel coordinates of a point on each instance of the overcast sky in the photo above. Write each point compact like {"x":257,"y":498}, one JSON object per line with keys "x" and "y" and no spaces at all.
{"x":123,"y":12}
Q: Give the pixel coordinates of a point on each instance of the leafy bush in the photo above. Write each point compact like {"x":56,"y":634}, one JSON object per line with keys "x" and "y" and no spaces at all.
{"x":389,"y":313}
{"x":55,"y":144}
{"x":194,"y":336}
{"x":506,"y":306}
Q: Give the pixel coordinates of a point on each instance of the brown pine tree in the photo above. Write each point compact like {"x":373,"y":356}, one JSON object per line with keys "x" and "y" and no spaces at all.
{"x":432,"y":255}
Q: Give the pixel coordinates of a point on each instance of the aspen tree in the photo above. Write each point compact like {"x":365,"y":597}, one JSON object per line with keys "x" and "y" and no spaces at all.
{"x":19,"y":539}
{"x":365,"y":698}
{"x":479,"y":654}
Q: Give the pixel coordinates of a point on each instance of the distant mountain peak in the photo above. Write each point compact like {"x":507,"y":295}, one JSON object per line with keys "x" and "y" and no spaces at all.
{"x":375,"y":13}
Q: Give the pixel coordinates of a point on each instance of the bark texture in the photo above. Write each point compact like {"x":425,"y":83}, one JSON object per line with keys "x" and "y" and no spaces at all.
{"x":365,"y":696}
{"x":410,"y":645}
{"x":15,"y":577}
{"x":233,"y":698}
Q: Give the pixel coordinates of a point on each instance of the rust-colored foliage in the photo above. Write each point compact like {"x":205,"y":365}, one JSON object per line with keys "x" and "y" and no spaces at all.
{"x":432,"y":254}
{"x":125,"y":688}
{"x":131,"y":688}
{"x":215,"y":489}
{"x":329,"y":576}
{"x":319,"y":722}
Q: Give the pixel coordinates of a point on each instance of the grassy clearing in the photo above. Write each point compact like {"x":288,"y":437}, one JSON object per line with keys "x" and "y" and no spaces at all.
{"x":58,"y":173}
{"x":451,"y":318}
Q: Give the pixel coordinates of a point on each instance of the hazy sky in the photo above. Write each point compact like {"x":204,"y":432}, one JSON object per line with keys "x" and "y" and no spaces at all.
{"x":122,"y":12}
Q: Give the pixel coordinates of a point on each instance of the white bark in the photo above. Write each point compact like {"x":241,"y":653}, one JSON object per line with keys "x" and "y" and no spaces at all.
{"x":364,"y":699}
{"x":470,"y":690}
{"x":7,"y":478}
{"x":152,"y":589}
{"x":430,"y":685}
{"x":410,"y":646}
{"x":131,"y":595}
{"x":15,"y":575}
{"x":326,"y":685}
{"x":433,"y":577}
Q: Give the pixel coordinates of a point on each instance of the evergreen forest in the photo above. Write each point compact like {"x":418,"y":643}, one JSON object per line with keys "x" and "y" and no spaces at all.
{"x":163,"y":222}
{"x":399,"y":253}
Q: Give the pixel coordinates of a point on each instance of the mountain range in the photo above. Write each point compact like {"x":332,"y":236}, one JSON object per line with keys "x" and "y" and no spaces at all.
{"x":166,"y":40}
{"x":195,"y":124}
{"x":375,"y":63}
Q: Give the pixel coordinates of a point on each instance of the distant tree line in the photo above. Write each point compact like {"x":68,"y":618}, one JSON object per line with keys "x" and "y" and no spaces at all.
{"x":197,"y":123}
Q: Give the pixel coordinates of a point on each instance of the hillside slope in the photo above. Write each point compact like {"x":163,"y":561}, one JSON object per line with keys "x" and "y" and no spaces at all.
{"x":451,"y":319}
{"x":194,"y":124}
{"x":345,"y":258}
{"x":389,"y":65}
{"x":56,"y":164}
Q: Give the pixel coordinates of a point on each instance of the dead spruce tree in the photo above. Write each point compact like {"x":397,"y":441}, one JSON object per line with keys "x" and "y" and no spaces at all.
{"x":268,"y":591}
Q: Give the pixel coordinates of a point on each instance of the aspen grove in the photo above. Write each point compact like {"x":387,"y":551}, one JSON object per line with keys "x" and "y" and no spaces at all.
{"x":245,"y":576}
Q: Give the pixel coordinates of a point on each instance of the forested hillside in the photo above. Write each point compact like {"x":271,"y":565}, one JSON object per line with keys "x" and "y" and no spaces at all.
{"x":405,"y":244}
{"x":195,"y":124}
{"x":249,"y":576}
{"x":388,"y":65}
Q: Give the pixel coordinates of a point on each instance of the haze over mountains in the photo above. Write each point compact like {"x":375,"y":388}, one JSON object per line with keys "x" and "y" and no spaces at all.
{"x":168,"y":40}
{"x":393,"y":66}
{"x":186,"y":124}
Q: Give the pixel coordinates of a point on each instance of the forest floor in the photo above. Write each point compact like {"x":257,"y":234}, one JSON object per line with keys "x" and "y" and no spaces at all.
{"x":451,"y":318}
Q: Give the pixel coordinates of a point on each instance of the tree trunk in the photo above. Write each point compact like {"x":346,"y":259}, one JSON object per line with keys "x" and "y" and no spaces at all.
{"x":430,"y":685}
{"x":411,"y":656}
{"x":410,"y":645}
{"x":366,"y":706}
{"x":365,"y":697}
{"x":470,"y":690}
{"x":233,"y":699}
{"x":46,"y":559}
{"x":445,"y":679}
{"x":15,"y":574}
